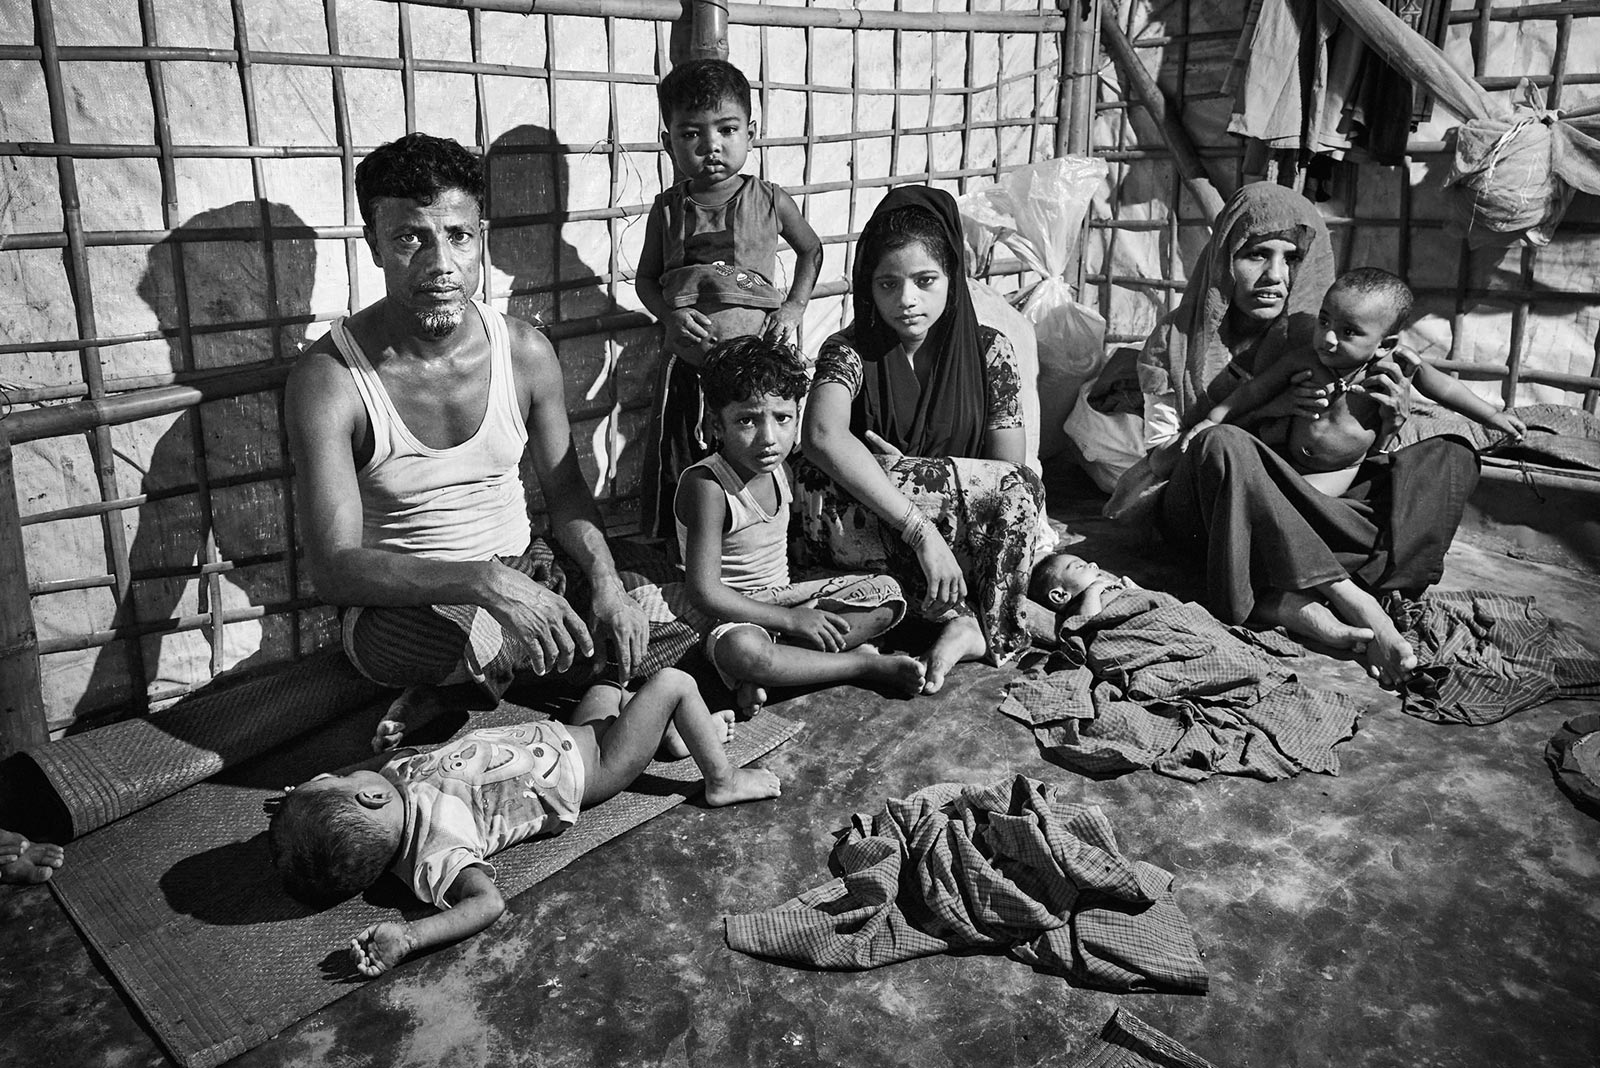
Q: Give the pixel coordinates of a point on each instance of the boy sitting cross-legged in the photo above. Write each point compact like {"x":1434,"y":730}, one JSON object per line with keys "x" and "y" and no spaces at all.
{"x":435,"y":818}
{"x":732,"y":513}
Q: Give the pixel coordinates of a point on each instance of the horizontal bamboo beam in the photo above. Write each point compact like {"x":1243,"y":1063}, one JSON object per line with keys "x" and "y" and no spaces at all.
{"x":759,"y":15}
{"x":80,"y":417}
{"x":1529,"y":12}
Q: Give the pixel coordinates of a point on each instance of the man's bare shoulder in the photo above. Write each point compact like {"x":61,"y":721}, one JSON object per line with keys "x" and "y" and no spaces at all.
{"x":320,"y":381}
{"x":528,"y":343}
{"x":534,"y":360}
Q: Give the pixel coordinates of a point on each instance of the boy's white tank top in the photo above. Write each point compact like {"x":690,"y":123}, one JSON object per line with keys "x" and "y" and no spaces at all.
{"x":461,"y":503}
{"x":755,"y":549}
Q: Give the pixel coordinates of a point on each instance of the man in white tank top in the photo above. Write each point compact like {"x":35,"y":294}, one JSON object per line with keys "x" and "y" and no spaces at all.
{"x":407,"y":423}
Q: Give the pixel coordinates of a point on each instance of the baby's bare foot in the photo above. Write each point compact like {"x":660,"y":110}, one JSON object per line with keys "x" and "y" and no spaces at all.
{"x":415,"y":706}
{"x":724,"y":720}
{"x":743,"y":784}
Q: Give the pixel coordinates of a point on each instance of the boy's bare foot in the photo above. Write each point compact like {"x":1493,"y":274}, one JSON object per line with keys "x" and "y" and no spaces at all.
{"x":1305,"y":616}
{"x":743,"y":784}
{"x":902,"y":672}
{"x":24,"y":863}
{"x":415,"y":706}
{"x":962,"y":639}
{"x":750,"y":698}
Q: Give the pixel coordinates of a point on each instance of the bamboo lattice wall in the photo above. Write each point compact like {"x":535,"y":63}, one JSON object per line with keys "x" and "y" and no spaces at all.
{"x":178,"y":219}
{"x":1517,"y":324}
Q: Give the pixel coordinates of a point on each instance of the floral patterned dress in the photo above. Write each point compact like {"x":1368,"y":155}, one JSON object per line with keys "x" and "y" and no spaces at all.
{"x":986,"y":510}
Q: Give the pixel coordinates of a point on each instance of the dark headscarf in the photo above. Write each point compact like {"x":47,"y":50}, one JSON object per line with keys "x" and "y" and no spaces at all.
{"x":1188,"y":351}
{"x":943,"y":414}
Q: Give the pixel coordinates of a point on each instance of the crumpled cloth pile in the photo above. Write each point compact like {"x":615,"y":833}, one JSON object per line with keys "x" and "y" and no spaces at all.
{"x":1016,"y":866}
{"x":1485,"y":656}
{"x":1154,"y":682}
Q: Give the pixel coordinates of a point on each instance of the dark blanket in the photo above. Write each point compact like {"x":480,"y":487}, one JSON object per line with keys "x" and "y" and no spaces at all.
{"x":1486,"y":656}
{"x":1016,"y":867}
{"x":1154,"y":682}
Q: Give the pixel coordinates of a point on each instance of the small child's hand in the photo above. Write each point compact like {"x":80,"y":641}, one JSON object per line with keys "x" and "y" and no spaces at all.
{"x":824,"y":630}
{"x":783,"y":324}
{"x":1508,"y":424}
{"x":690,"y":327}
{"x":380,"y":947}
{"x":1189,"y":435}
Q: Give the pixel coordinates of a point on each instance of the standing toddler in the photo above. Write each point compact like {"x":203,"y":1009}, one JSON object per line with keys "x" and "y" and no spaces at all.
{"x":709,"y":259}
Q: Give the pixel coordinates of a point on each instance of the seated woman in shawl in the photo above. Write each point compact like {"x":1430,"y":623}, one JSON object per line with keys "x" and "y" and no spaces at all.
{"x":913,"y":440}
{"x":1275,"y":550}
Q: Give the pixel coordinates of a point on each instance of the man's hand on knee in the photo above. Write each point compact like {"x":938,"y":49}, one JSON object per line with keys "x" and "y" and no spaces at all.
{"x":541,"y":620}
{"x":619,"y":618}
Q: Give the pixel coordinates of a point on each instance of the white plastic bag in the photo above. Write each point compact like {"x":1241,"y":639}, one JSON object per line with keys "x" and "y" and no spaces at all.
{"x":1109,"y":444}
{"x":1037,"y":212}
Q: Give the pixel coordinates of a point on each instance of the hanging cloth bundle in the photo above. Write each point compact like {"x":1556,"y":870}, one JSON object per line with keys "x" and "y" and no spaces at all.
{"x":1513,"y":178}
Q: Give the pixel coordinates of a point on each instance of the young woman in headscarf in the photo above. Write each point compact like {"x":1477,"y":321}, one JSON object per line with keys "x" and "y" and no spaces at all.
{"x":913,"y":439}
{"x":1276,"y":550}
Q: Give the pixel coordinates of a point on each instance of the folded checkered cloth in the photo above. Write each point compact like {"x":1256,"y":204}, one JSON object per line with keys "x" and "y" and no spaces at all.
{"x":1486,"y":656}
{"x":1015,"y":866}
{"x":1154,"y":682}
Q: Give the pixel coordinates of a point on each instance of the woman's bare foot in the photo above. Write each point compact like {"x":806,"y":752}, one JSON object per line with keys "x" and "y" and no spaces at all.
{"x":743,"y":784}
{"x":962,"y":639}
{"x":1388,"y":656}
{"x":1305,"y":616}
{"x":26,"y":863}
{"x":415,"y":706}
{"x":896,"y":670}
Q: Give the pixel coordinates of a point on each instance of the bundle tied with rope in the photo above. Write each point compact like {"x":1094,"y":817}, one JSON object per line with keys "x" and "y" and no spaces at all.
{"x":1514,"y":177}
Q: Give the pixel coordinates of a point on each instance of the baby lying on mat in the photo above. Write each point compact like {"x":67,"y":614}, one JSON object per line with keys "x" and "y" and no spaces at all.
{"x":434,"y":818}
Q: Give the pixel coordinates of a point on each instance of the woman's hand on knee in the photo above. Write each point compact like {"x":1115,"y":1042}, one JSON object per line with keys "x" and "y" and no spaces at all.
{"x":947,"y":586}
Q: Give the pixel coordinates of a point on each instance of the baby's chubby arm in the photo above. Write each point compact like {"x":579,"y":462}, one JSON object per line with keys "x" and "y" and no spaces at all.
{"x":1442,"y":389}
{"x":475,"y":903}
{"x":783,"y":323}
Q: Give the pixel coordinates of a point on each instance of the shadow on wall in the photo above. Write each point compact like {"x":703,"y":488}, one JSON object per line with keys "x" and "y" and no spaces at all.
{"x":226,"y":445}
{"x":552,"y":287}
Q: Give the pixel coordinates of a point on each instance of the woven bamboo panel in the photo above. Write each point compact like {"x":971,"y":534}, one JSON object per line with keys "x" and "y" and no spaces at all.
{"x":178,"y":200}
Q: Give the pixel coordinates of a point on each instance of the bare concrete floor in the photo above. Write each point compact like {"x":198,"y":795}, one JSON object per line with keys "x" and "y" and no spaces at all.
{"x":1437,"y":903}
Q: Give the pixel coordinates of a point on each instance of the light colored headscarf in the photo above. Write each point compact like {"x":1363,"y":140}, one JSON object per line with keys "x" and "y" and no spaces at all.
{"x":1187,"y":353}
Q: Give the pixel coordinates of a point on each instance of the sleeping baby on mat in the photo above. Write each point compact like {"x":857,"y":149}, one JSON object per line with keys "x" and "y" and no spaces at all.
{"x":434,"y":818}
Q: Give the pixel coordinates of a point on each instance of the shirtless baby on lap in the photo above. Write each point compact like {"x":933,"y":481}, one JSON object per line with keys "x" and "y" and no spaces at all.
{"x":1357,"y":335}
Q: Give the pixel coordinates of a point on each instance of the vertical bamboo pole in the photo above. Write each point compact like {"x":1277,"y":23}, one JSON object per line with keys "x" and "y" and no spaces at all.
{"x":708,"y":37}
{"x":78,"y":277}
{"x":22,"y":717}
{"x":347,"y":161}
{"x":1079,"y":43}
{"x":613,"y":271}
{"x":408,"y":68}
